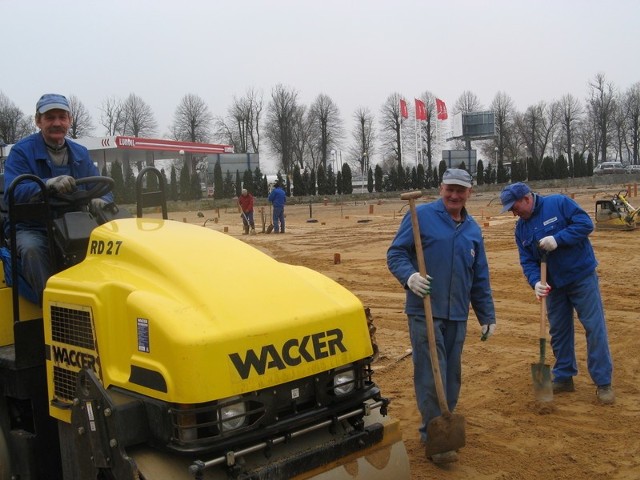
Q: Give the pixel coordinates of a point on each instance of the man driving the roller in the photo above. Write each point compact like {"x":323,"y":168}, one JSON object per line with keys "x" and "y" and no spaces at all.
{"x":58,"y":161}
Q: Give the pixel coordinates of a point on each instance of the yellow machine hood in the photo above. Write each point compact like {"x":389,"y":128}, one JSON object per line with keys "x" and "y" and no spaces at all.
{"x":187,"y":314}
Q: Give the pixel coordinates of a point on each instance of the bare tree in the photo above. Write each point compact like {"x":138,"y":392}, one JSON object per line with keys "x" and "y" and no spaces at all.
{"x":241,"y":127}
{"x":364,"y":137}
{"x":390,"y":128}
{"x":81,"y":123}
{"x":570,"y":111}
{"x":14,"y":124}
{"x":281,"y":116}
{"x":112,"y":116}
{"x":536,"y":126}
{"x":303,"y":153}
{"x":427,"y":130}
{"x":467,"y":102}
{"x":506,"y":135}
{"x":138,"y":117}
{"x":632,"y":111}
{"x":326,"y":126}
{"x":601,"y":108}
{"x":619,"y":124}
{"x":192,"y":120}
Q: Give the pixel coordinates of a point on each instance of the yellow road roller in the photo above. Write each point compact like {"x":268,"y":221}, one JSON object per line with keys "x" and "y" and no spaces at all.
{"x":169,"y":351}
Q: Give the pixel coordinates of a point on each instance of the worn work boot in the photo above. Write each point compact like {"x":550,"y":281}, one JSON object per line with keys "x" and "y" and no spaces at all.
{"x":253,"y":231}
{"x":605,"y":394}
{"x":564,"y":386}
{"x":446,"y":457}
{"x":245,"y":230}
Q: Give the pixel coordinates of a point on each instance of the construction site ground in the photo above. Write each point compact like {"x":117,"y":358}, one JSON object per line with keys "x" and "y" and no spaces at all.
{"x":508,"y":435}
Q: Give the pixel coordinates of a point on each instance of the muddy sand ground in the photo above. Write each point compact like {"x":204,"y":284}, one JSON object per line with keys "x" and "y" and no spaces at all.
{"x":507,"y":436}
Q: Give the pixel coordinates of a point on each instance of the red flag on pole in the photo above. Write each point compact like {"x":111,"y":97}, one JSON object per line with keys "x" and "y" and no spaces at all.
{"x":403,"y":109}
{"x":442,"y":109}
{"x":421,"y":111}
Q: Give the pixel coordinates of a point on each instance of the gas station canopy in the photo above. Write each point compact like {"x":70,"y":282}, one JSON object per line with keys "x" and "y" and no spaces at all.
{"x":146,"y":150}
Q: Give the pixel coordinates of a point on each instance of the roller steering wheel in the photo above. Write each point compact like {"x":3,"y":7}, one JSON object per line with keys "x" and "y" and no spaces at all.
{"x":80,"y":197}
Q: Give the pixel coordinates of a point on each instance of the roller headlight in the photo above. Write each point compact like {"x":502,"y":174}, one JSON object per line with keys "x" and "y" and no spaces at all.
{"x":344,"y":382}
{"x":232,"y":415}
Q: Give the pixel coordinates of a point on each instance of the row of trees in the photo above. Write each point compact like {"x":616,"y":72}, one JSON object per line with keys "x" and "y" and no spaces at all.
{"x":183,"y":186}
{"x":308,"y":137}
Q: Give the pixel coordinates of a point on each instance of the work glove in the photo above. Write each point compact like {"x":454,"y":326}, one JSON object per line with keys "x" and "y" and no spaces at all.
{"x":548,"y":243}
{"x":542,"y":290}
{"x":96,"y":205}
{"x":419,"y":285}
{"x":61,"y":184}
{"x":487,"y":331}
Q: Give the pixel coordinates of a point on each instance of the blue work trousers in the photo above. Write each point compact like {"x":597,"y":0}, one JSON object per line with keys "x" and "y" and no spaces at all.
{"x":35,"y":261}
{"x":247,"y":220}
{"x":584,"y":296}
{"x":278,"y":219}
{"x":450,"y":337}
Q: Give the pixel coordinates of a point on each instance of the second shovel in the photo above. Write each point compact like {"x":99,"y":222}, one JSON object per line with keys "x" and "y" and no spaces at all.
{"x":540,"y":372}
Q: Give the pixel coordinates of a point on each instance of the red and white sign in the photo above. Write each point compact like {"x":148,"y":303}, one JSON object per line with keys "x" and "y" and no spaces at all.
{"x":135,"y":143}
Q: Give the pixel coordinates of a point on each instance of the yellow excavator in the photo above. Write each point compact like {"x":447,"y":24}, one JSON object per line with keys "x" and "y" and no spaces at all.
{"x":169,"y":351}
{"x":616,"y":213}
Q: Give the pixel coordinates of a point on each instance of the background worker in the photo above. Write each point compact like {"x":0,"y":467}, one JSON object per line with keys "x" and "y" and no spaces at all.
{"x":58,"y":161}
{"x":245,"y":200}
{"x":458,"y":276}
{"x":278,"y":198}
{"x":557,"y":226}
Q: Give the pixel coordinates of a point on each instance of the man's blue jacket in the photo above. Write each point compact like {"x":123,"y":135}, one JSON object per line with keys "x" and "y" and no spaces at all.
{"x":278,"y":197}
{"x":30,"y":156}
{"x":570,"y":225}
{"x":456,"y":261}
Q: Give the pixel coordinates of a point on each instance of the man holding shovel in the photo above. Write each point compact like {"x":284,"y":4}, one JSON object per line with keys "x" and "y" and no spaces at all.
{"x":245,"y":201}
{"x":458,"y":277}
{"x":556,"y":224}
{"x":278,"y":198}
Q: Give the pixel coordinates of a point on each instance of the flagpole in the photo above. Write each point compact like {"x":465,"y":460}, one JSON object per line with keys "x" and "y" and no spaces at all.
{"x":400,"y":146}
{"x":415,"y":136}
{"x":437,"y":139}
{"x":421,"y":147}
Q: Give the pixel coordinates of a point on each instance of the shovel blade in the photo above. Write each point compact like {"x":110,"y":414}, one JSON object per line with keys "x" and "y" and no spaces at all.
{"x":542,"y":387}
{"x":445,"y":433}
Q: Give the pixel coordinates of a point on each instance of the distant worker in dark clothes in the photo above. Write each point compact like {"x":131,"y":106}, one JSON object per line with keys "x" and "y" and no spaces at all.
{"x":58,"y":161}
{"x":245,"y":200}
{"x":558,"y":226}
{"x":278,"y":198}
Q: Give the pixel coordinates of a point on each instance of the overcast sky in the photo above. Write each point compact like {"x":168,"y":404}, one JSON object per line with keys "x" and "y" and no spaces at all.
{"x":357,"y":52}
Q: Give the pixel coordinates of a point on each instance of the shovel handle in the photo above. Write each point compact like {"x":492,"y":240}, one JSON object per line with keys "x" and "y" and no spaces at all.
{"x":422,"y":268}
{"x":543,"y":300}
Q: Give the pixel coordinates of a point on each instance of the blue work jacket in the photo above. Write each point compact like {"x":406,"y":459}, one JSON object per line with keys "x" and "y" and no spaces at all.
{"x":570,"y":226}
{"x":278,"y":197}
{"x":30,"y":156}
{"x":455,"y":259}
